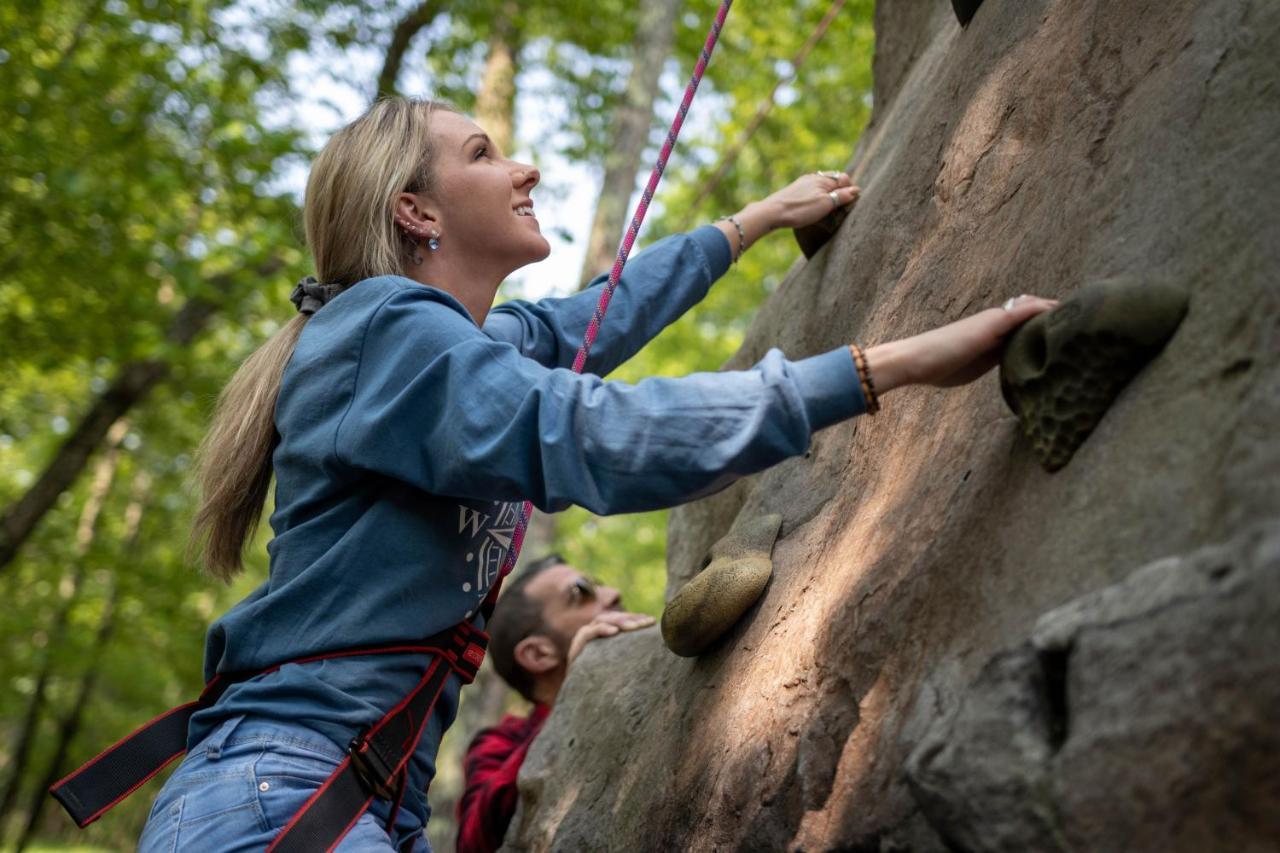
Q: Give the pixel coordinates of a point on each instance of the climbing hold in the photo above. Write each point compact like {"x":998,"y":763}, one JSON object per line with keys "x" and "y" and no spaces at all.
{"x":814,"y":236}
{"x":965,"y":9}
{"x":1061,"y":370}
{"x":711,"y":603}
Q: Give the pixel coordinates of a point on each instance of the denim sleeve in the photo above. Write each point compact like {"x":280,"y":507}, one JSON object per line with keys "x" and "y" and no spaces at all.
{"x":657,"y":286}
{"x":440,"y":405}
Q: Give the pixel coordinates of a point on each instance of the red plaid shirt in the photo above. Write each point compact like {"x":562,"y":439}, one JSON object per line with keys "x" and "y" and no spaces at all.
{"x":490,"y":767}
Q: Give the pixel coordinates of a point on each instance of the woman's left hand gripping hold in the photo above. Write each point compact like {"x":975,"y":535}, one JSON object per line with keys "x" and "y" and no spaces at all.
{"x":802,"y":202}
{"x":811,"y":197}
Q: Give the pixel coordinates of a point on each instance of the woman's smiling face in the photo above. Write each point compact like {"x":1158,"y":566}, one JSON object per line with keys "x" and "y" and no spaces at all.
{"x":480,"y":203}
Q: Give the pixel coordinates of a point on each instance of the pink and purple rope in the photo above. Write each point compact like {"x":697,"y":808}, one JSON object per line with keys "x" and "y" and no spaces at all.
{"x":593,"y":327}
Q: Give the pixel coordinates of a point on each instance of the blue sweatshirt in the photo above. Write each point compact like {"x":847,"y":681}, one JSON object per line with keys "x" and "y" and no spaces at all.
{"x":409,"y":436}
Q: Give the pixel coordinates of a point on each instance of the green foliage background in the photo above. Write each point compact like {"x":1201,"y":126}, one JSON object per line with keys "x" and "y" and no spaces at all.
{"x":142,"y":159}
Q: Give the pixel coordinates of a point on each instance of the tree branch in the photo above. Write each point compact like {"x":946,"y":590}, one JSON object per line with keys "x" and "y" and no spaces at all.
{"x":410,"y":25}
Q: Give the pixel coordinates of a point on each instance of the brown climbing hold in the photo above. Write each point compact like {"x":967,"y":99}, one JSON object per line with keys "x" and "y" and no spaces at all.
{"x":965,"y":9}
{"x":814,"y":236}
{"x":714,"y":601}
{"x":1061,"y":370}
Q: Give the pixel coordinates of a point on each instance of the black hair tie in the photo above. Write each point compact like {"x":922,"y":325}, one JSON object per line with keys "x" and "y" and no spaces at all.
{"x":309,"y":295}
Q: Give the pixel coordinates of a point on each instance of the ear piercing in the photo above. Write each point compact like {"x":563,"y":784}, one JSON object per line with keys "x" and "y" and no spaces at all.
{"x":418,"y":232}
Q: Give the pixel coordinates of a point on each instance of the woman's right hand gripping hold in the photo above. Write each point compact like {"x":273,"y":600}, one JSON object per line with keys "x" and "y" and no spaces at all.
{"x":953,"y":354}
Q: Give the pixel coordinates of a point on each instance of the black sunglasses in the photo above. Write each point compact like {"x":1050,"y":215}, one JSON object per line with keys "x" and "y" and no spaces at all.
{"x":583,"y":589}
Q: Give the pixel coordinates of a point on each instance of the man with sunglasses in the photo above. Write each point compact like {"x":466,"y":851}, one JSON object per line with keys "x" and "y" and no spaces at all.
{"x":545,"y":617}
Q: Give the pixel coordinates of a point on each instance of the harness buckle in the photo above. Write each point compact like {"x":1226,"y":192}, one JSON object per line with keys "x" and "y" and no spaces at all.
{"x":373,"y":772}
{"x":474,"y":654}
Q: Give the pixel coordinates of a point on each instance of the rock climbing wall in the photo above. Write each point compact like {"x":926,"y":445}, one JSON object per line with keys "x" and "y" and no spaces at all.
{"x":957,"y":649}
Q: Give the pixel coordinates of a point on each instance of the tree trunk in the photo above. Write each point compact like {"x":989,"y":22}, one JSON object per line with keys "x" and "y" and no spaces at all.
{"x":654,"y":35}
{"x":131,"y":386}
{"x":496,"y":100}
{"x":70,"y":588}
{"x":70,"y":725}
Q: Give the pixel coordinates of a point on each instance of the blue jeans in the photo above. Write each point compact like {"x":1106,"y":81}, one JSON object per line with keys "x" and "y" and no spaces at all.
{"x":239,"y":787}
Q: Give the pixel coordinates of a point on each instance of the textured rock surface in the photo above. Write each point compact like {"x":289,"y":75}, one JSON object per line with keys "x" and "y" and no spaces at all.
{"x":1140,"y":716}
{"x":1045,"y":146}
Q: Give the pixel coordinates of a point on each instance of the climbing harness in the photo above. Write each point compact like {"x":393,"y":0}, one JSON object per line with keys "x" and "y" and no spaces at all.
{"x":375,"y":762}
{"x":378,"y":757}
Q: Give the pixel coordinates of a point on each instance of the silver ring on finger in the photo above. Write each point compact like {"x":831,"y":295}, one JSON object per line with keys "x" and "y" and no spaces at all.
{"x":829,"y":174}
{"x":835,"y":198}
{"x":1008,"y":304}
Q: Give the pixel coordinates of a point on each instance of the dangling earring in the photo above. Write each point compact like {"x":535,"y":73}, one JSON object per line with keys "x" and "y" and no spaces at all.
{"x":434,"y":243}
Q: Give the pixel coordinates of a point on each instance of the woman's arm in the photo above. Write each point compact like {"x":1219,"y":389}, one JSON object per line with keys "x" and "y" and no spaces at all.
{"x":802,"y":202}
{"x":657,"y":286}
{"x":661,"y":283}
{"x":451,"y":411}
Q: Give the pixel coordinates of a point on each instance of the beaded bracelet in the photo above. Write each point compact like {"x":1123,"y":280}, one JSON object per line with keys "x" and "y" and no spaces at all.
{"x":864,"y":376}
{"x":742,"y":234}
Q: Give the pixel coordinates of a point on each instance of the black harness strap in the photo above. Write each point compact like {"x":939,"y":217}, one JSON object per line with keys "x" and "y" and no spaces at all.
{"x":375,"y":766}
{"x":376,"y":759}
{"x":372,"y":768}
{"x":95,"y":788}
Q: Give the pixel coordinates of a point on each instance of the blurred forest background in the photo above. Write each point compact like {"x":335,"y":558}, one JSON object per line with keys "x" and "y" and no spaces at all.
{"x":151,"y":161}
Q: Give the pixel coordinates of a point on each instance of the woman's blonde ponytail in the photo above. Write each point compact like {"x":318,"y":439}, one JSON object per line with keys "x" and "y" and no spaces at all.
{"x":350,"y":230}
{"x":233,"y":463}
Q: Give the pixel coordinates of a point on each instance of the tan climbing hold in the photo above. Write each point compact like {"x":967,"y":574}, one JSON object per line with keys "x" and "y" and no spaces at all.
{"x":713,"y":602}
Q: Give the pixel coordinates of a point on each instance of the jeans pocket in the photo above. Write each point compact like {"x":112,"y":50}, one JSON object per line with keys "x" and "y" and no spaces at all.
{"x":220,"y":809}
{"x":285,"y":778}
{"x":202,"y":805}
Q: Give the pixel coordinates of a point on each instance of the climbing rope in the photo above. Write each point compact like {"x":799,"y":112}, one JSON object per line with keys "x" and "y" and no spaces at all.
{"x":593,"y":328}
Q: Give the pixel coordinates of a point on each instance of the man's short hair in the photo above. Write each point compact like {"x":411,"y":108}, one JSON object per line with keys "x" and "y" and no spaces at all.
{"x":515,"y":617}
